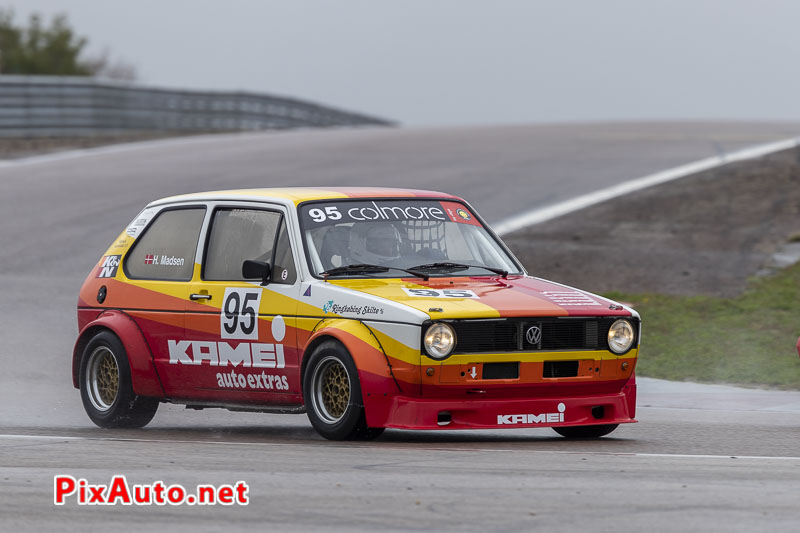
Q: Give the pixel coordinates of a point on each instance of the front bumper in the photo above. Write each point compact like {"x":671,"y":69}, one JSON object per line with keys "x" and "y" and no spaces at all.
{"x":404,"y":412}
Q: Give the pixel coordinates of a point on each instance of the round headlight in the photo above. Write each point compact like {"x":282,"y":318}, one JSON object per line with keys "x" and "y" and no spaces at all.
{"x":620,"y":336}
{"x":440,"y":339}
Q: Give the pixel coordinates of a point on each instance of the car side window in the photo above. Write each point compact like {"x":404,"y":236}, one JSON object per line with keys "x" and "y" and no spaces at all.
{"x":235,"y":236}
{"x":285,"y":270}
{"x":167,"y":248}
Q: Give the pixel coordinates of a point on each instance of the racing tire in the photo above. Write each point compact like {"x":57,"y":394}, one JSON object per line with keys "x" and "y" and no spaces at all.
{"x":332,"y":394}
{"x":585,"y":432}
{"x":105,"y":385}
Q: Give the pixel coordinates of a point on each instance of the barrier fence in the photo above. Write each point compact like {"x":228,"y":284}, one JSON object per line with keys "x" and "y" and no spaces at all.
{"x":58,"y":106}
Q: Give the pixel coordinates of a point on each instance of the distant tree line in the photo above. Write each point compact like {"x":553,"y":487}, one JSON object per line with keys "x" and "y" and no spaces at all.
{"x":55,"y":50}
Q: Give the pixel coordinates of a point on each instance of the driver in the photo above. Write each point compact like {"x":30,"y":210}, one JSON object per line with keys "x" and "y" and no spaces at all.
{"x":375,"y":244}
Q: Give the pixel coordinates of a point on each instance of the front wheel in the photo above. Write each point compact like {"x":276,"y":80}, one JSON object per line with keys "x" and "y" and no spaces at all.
{"x":332,"y":395}
{"x":585,"y":432}
{"x":106,"y":390}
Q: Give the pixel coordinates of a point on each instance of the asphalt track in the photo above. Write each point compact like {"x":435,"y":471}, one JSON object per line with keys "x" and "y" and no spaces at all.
{"x":701,"y":458}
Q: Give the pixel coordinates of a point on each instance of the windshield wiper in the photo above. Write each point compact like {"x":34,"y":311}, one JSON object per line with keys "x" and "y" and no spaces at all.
{"x":367,"y":269}
{"x":453,"y":267}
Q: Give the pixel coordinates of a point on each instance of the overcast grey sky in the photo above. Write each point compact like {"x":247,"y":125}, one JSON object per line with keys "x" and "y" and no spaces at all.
{"x":444,"y":62}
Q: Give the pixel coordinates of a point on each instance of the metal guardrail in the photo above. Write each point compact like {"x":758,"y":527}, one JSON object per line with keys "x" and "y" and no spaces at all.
{"x":59,"y":106}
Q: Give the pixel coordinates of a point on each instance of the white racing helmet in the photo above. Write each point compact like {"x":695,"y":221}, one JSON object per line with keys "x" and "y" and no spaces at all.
{"x":375,"y":243}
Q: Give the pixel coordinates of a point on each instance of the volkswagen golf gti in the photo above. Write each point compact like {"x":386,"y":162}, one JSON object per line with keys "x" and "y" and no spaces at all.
{"x":365,"y":308}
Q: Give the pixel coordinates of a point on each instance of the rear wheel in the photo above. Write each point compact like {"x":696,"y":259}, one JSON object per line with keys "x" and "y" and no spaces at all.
{"x":585,"y":432}
{"x":332,"y":395}
{"x":105,"y":384}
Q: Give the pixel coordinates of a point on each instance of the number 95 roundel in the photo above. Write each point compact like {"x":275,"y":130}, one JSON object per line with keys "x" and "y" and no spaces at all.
{"x":238,"y":318}
{"x":435,"y":293}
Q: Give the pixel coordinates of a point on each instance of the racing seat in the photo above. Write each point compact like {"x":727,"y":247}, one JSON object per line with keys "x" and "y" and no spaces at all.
{"x":335,"y":243}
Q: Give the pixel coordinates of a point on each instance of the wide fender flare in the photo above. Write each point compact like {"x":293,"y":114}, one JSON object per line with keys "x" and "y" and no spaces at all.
{"x":374,"y":367}
{"x":144,"y":377}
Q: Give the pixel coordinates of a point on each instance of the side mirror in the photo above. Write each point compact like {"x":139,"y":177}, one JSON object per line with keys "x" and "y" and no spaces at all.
{"x":256,"y":270}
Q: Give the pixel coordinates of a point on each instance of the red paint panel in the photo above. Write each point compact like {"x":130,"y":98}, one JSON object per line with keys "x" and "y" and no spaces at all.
{"x":573,"y":302}
{"x":144,"y":376}
{"x":542,"y":410}
{"x":239,"y":384}
{"x":157,"y":328}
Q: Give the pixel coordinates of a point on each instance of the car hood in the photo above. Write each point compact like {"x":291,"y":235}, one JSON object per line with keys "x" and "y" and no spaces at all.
{"x":487,"y":297}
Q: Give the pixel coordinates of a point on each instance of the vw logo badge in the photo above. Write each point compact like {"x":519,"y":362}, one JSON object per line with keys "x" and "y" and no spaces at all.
{"x":533,"y":335}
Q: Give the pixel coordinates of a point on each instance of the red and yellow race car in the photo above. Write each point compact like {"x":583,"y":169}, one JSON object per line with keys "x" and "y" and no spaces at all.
{"x":365,"y":308}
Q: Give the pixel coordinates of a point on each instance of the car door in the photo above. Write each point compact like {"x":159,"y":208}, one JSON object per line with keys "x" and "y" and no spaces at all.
{"x":157,"y":273}
{"x":241,"y":342}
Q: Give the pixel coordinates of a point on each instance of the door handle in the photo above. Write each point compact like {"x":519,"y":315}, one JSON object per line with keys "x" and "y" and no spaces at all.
{"x":195,"y":297}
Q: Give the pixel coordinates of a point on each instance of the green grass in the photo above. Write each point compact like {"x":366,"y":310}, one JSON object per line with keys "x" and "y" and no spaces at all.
{"x":748,"y":340}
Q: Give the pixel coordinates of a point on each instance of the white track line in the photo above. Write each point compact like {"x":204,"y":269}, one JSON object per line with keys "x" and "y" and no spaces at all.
{"x":503,"y":227}
{"x":422,"y":447}
{"x":539,"y":215}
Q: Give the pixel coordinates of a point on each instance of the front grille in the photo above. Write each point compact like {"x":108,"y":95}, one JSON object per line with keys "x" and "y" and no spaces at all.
{"x":520,"y":335}
{"x":490,"y":336}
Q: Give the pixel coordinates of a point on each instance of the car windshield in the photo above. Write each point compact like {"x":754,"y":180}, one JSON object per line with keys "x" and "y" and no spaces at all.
{"x":374,"y":238}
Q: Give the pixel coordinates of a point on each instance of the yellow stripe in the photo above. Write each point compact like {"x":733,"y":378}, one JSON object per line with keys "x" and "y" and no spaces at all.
{"x":397,"y":349}
{"x":294,"y":195}
{"x":120,"y":246}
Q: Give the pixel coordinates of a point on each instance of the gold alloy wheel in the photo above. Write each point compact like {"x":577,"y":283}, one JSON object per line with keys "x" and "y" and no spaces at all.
{"x":331,"y":389}
{"x":102,"y":378}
